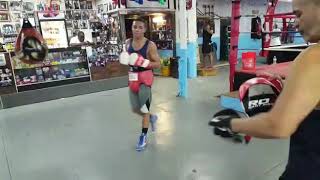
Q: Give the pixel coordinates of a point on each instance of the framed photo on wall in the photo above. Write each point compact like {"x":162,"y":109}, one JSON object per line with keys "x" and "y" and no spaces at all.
{"x":4,"y":6}
{"x":4,"y":16}
{"x":89,"y":5}
{"x":15,"y":16}
{"x":15,"y":6}
{"x":54,"y":33}
{"x":28,"y":6}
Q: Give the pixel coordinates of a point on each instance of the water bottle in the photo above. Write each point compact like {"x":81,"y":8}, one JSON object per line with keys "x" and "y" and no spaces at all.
{"x":274,"y":59}
{"x":194,"y":175}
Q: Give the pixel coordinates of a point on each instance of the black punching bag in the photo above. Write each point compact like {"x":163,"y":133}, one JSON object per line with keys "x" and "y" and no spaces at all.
{"x":30,"y":47}
{"x":256,"y":28}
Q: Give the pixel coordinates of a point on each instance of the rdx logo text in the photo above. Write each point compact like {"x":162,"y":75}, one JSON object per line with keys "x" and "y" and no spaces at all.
{"x":259,"y":103}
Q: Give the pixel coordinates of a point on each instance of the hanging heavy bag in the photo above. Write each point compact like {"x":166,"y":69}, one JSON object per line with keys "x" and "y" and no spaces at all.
{"x":30,"y":46}
{"x":256,"y":28}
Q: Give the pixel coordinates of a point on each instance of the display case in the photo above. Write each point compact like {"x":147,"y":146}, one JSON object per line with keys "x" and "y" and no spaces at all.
{"x":7,"y":84}
{"x":104,"y":56}
{"x":61,"y":67}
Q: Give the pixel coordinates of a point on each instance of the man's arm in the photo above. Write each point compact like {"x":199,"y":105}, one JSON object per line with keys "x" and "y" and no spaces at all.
{"x":127,"y":43}
{"x":153,"y":55}
{"x":209,"y":30}
{"x":73,"y":41}
{"x":299,"y":97}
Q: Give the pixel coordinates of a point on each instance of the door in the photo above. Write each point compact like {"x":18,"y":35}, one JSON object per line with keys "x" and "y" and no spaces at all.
{"x":225,"y":26}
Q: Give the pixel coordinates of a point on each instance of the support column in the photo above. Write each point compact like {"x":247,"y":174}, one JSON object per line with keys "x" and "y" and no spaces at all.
{"x":182,"y":49}
{"x":177,"y":27}
{"x":235,"y":28}
{"x":192,"y":40}
{"x":268,"y":25}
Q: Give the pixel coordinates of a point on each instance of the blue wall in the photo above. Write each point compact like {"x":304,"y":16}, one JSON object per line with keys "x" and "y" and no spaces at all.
{"x":245,"y":42}
{"x":165,"y":53}
{"x":299,"y":40}
{"x":251,"y":45}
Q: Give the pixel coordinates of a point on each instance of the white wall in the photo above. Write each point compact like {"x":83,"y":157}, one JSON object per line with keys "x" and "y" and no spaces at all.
{"x":223,"y":8}
{"x":200,"y":4}
{"x":248,"y":5}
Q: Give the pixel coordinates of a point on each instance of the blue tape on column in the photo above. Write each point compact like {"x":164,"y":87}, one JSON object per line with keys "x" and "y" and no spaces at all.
{"x":183,"y":72}
{"x":192,"y":60}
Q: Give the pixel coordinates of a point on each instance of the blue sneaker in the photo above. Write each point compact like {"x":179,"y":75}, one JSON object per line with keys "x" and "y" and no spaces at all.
{"x":153,"y":121}
{"x":142,"y":142}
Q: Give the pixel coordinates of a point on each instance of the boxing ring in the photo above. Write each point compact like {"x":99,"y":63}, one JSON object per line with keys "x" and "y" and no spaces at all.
{"x":231,"y":100}
{"x":285,"y":53}
{"x":280,"y":69}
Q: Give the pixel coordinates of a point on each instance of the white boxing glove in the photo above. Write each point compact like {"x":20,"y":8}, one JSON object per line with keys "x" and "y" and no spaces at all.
{"x":139,"y":61}
{"x":124,"y":58}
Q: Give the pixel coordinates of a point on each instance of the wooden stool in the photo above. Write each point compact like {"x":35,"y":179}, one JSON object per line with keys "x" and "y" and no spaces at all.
{"x":207,"y":72}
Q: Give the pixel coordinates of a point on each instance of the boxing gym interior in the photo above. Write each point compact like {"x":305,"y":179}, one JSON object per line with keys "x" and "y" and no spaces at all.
{"x":65,"y":111}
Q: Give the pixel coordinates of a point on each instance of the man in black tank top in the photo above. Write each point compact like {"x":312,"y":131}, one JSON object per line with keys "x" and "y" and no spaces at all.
{"x":141,"y":100}
{"x":207,"y":48}
{"x":296,"y":113}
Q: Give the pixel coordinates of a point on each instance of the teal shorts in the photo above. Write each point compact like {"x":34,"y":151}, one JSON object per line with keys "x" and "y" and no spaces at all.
{"x":141,"y":101}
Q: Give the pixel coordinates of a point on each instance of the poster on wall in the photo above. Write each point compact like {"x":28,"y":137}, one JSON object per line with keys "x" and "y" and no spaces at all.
{"x":54,"y":33}
{"x":147,"y":4}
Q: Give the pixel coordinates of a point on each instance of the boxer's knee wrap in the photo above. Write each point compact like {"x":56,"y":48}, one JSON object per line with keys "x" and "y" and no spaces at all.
{"x":145,"y":99}
{"x":144,"y":109}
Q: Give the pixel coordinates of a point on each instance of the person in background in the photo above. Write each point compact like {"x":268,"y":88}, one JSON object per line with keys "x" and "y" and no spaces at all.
{"x":275,"y":36}
{"x":207,"y":48}
{"x":79,"y":39}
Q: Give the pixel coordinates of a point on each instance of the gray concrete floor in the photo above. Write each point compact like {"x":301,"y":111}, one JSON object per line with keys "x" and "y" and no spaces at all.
{"x":93,"y":137}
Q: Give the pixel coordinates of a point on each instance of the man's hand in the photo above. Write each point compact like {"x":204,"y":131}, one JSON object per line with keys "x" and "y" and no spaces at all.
{"x":124,"y":58}
{"x":134,"y":59}
{"x":138,"y":61}
{"x":269,"y":75}
{"x":221,"y":122}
